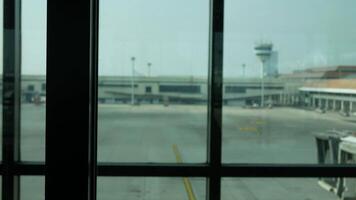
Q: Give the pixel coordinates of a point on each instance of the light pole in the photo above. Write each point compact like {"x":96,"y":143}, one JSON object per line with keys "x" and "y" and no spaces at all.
{"x":262,"y":84}
{"x":149,"y":69}
{"x":263,"y":52}
{"x":243,"y":70}
{"x":132,"y":81}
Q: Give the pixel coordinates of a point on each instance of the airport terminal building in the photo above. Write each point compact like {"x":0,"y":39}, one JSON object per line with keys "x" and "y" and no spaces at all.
{"x":333,"y":95}
{"x":327,"y":88}
{"x":306,"y":90}
{"x":115,"y":89}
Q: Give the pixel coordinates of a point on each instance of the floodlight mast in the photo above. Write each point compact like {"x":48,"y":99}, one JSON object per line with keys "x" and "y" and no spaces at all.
{"x":263,"y":52}
{"x":149,"y":69}
{"x":132,"y":81}
{"x":243,"y":70}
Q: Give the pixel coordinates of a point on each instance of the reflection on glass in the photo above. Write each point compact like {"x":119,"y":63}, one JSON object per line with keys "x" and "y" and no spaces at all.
{"x":286,"y":188}
{"x":153,"y":69}
{"x":32,"y":188}
{"x":33,"y":80}
{"x":150,"y":188}
{"x":289,"y":79}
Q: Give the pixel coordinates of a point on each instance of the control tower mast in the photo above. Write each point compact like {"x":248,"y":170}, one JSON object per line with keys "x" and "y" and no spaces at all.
{"x":263,"y":51}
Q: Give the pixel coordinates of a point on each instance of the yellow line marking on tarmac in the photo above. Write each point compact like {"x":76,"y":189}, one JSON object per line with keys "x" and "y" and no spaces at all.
{"x":250,"y":130}
{"x":253,"y":127}
{"x":187,"y":184}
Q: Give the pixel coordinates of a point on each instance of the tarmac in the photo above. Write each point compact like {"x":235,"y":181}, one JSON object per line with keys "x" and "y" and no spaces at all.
{"x":148,"y":133}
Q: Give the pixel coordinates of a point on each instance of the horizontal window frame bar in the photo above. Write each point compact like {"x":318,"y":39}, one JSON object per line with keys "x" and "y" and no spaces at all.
{"x":198,"y":170}
{"x":24,"y":168}
{"x":154,"y":170}
{"x":288,"y":170}
{"x":227,"y":170}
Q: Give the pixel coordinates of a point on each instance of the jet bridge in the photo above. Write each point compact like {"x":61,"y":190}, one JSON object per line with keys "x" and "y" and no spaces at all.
{"x":337,"y":147}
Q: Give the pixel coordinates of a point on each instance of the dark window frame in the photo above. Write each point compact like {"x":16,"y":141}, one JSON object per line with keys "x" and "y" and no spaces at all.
{"x":57,"y":171}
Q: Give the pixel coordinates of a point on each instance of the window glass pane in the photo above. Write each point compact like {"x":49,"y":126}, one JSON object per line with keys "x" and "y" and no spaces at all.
{"x":307,"y":89}
{"x":287,"y":188}
{"x":32,"y":188}
{"x":150,"y":188}
{"x":33,"y":80}
{"x":153,"y":66}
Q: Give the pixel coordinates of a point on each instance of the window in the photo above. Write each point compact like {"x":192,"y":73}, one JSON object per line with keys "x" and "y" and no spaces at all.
{"x":195,"y":135}
{"x":294,"y":77}
{"x":279,"y":188}
{"x":33,"y":77}
{"x":32,"y":188}
{"x":180,"y":88}
{"x":166,"y":113}
{"x":235,"y":89}
{"x":148,"y":89}
{"x":31,"y":88}
{"x":151,"y":188}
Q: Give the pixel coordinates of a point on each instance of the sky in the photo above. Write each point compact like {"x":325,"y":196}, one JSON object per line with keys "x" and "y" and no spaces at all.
{"x":173,"y":35}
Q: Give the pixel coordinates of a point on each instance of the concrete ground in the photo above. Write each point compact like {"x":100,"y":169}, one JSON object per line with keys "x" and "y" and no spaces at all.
{"x":273,"y":189}
{"x":146,"y":133}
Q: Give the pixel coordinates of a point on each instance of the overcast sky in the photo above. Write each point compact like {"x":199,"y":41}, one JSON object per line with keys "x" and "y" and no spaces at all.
{"x":173,"y":35}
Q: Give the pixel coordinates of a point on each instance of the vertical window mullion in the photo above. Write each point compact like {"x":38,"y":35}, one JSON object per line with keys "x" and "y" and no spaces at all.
{"x":11,"y":97}
{"x":69,"y":161}
{"x":215,"y":98}
{"x":93,"y":113}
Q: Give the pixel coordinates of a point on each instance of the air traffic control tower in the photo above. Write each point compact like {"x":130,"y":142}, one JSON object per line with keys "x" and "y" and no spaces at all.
{"x":263,"y":52}
{"x":269,"y":58}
